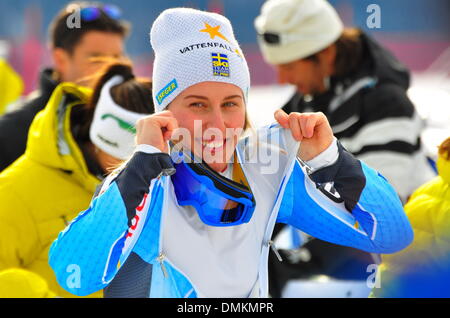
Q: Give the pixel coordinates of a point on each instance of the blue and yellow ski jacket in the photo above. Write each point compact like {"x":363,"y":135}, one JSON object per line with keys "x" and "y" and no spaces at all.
{"x":116,"y":244}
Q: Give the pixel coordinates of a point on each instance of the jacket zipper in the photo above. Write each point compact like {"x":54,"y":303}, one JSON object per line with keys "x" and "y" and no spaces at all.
{"x":275,"y":250}
{"x":161,"y":257}
{"x":271,"y":223}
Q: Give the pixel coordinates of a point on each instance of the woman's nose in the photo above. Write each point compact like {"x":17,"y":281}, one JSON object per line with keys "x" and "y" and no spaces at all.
{"x":216,"y":121}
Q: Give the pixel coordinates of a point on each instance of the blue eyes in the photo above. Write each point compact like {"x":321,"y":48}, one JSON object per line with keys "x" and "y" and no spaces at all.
{"x":196,"y":105}
{"x":200,"y":105}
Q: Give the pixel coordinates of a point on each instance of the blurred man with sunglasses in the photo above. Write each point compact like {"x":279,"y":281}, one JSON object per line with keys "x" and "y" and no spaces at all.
{"x":77,"y":52}
{"x":358,"y":84}
{"x":361,"y":88}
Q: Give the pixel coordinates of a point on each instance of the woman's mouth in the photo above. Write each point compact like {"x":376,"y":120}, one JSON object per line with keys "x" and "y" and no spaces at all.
{"x":214,"y":150}
{"x":215,"y":145}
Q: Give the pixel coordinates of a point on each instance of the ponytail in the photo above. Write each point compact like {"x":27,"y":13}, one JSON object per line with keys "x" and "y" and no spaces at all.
{"x":123,"y":69}
{"x":133,"y":94}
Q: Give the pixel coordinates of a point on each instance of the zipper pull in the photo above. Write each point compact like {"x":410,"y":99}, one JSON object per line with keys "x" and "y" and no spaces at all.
{"x":274,"y":249}
{"x":160,"y":259}
{"x":308,"y":169}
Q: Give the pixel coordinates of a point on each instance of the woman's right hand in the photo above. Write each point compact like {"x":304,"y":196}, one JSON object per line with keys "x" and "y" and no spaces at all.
{"x":156,"y":130}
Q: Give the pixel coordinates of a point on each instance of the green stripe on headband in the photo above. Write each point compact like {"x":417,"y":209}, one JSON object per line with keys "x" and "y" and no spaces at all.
{"x":122,"y":123}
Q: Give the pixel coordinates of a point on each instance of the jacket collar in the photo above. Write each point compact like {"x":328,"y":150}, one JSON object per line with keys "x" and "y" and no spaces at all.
{"x":47,"y":82}
{"x":51,"y":142}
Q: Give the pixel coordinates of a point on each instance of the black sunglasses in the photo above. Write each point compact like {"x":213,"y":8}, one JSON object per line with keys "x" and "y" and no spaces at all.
{"x":271,"y":38}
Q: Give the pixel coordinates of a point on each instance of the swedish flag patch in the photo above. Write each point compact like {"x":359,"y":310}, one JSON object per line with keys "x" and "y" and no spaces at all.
{"x":220,"y":64}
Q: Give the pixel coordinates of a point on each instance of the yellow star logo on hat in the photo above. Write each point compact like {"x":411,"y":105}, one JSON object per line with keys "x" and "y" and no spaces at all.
{"x":213,"y":31}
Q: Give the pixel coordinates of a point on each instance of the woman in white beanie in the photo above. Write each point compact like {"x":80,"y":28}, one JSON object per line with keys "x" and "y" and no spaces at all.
{"x":198,"y":222}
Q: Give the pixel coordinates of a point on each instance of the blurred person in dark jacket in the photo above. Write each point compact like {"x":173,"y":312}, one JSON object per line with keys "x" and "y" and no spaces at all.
{"x":77,"y":51}
{"x":361,"y":88}
{"x":359,"y":85}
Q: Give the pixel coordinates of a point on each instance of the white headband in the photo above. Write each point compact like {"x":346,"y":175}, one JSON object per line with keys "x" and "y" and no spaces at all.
{"x":113,"y":127}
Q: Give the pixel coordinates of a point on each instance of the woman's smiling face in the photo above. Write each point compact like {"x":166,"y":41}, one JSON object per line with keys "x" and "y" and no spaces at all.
{"x":214,"y":114}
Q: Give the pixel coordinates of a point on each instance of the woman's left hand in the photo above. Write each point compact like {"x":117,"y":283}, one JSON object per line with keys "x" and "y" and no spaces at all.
{"x":312,"y":129}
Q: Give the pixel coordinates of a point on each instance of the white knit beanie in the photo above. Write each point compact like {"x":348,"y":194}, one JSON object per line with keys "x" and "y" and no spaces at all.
{"x":191,"y":47}
{"x":304,"y":27}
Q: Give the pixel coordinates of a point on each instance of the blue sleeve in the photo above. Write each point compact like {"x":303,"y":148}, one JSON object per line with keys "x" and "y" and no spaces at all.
{"x":88,"y":253}
{"x":348,"y":204}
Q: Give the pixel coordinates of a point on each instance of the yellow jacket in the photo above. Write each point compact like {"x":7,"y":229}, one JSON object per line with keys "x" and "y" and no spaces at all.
{"x":22,"y":283}
{"x":423,"y":268}
{"x":44,"y":189}
{"x":11,"y":85}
